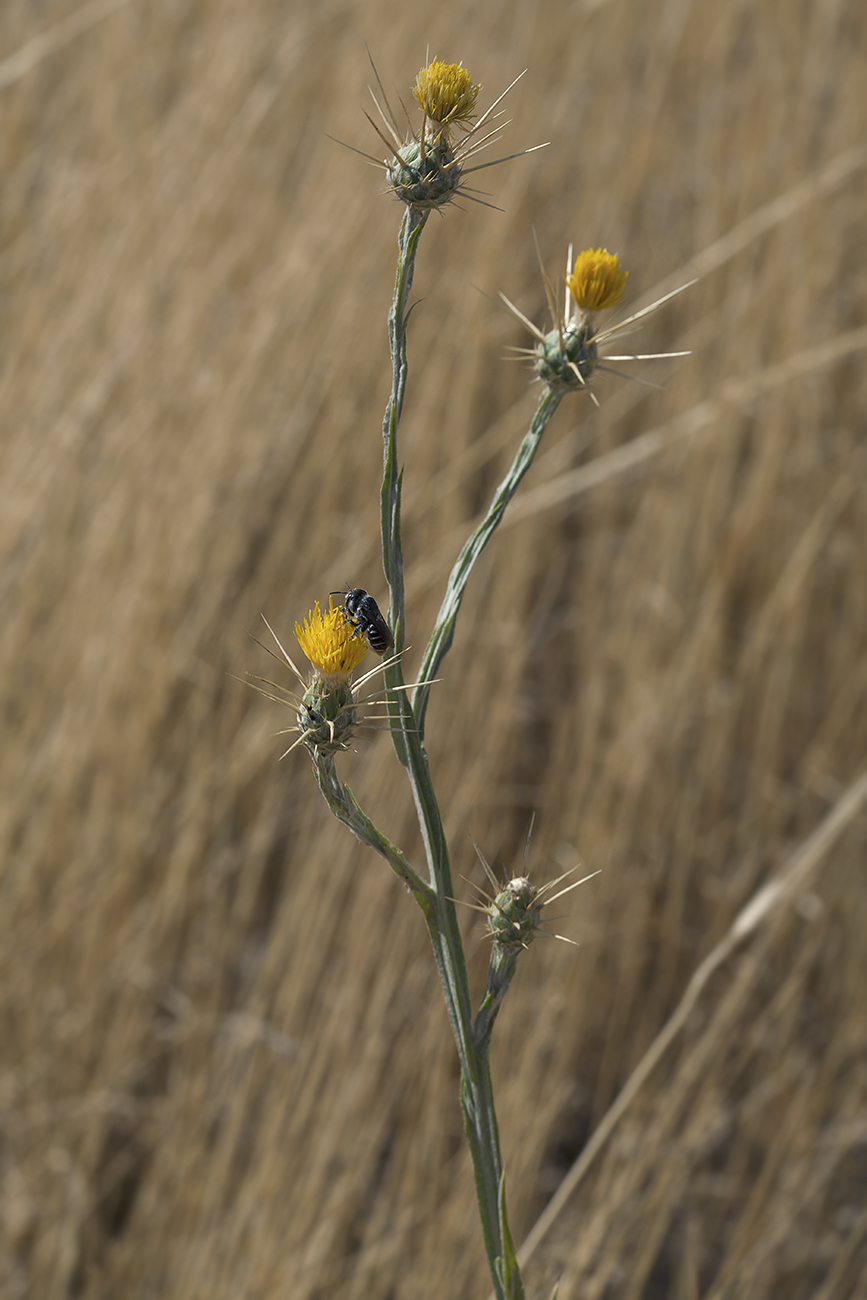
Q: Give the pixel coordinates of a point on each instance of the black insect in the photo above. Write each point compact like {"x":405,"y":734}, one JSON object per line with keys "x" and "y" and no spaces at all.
{"x":363,"y":613}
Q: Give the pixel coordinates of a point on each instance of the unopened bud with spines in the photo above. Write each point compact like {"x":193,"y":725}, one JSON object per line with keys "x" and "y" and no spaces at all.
{"x":514,"y":915}
{"x":513,"y":918}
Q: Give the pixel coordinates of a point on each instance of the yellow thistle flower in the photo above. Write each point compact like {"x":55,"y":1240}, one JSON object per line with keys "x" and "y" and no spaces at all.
{"x":566,"y":357}
{"x":326,"y":714}
{"x":427,"y":170}
{"x":329,"y":642}
{"x":596,"y":281}
{"x":445,"y":92}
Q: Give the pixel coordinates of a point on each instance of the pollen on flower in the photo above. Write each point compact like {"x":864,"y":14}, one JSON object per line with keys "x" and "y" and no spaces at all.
{"x":445,"y":92}
{"x":328,"y":641}
{"x":596,"y":280}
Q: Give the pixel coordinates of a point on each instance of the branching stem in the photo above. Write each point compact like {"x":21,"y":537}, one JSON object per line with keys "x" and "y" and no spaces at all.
{"x":477,"y":1101}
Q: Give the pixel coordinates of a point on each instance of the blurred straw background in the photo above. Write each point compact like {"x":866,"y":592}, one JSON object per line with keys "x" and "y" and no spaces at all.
{"x":226,"y":1069}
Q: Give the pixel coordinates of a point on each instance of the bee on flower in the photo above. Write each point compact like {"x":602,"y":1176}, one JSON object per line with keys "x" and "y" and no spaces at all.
{"x":327,"y":710}
{"x":567,"y":356}
{"x":427,"y":170}
{"x":330,"y":645}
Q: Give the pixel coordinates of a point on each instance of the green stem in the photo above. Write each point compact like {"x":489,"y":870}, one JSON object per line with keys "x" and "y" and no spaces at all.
{"x":444,"y":630}
{"x":392,"y":554}
{"x":502,"y":967}
{"x":477,"y":1101}
{"x":345,"y":807}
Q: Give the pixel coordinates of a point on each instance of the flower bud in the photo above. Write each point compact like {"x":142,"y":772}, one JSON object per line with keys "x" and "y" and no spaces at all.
{"x":513,"y":916}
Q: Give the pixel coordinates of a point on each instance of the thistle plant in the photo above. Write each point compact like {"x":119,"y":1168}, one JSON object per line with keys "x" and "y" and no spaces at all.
{"x":426,"y":171}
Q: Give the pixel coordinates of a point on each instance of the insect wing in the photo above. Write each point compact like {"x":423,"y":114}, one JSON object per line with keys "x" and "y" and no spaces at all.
{"x":379,"y":636}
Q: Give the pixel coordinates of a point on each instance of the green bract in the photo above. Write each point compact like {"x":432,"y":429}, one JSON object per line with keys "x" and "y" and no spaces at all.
{"x":425,"y":174}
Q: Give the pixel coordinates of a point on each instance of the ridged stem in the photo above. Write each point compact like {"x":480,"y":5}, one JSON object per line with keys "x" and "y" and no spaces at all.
{"x":345,"y":807}
{"x":477,"y":1101}
{"x":444,"y":629}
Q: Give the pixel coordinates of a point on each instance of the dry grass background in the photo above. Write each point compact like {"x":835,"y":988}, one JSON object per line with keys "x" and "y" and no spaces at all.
{"x":226,"y":1070}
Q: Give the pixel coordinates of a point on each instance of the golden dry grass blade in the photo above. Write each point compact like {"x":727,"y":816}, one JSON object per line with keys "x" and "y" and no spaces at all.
{"x":52,"y":41}
{"x":734,"y":393}
{"x":772,"y":895}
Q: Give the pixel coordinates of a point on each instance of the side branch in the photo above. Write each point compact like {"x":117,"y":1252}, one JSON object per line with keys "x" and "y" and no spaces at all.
{"x":444,"y":630}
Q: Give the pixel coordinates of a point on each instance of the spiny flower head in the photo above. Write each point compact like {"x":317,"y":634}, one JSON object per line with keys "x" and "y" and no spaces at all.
{"x":427,"y":170}
{"x":445,"y":93}
{"x":596,"y":280}
{"x":327,"y":712}
{"x":566,"y":357}
{"x":329,"y":642}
